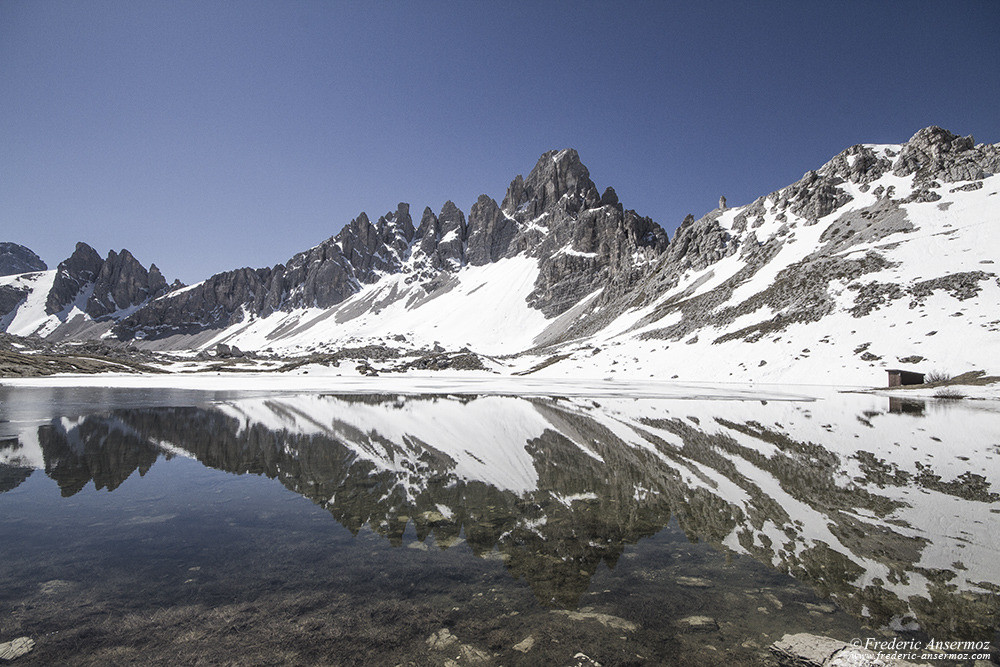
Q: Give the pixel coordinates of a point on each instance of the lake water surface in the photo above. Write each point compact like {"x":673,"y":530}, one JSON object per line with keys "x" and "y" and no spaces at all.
{"x":180,"y":528}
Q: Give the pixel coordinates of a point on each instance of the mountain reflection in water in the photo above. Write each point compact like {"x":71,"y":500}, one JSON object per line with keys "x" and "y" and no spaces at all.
{"x":891,"y":512}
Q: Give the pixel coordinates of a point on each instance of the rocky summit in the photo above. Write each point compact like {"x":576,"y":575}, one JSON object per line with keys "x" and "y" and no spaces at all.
{"x":882,"y":257}
{"x":81,"y":298}
{"x":16,"y":259}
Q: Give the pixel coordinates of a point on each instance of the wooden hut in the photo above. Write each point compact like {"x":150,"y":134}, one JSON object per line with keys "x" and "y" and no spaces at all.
{"x":898,"y":378}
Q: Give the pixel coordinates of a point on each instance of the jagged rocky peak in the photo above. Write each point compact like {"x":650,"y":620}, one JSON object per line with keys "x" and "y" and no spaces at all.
{"x":440,"y":240}
{"x":935,"y":153}
{"x":451,"y":246}
{"x":556,"y":174}
{"x":490,"y":232}
{"x":398,"y":227}
{"x":584,"y":241}
{"x":15,"y":259}
{"x":72,"y":275}
{"x":123,"y":283}
{"x":117,"y":283}
{"x":428,"y":233}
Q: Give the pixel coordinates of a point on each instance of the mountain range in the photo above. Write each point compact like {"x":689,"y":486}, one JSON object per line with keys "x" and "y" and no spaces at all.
{"x":881,"y":258}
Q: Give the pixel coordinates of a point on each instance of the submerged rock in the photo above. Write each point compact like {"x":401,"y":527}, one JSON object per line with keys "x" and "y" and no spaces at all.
{"x":55,"y":587}
{"x":525,"y":645}
{"x":16,"y":648}
{"x":702,"y":623}
{"x":607,"y":620}
{"x":441,"y":640}
{"x":694,"y":582}
{"x":468,"y":655}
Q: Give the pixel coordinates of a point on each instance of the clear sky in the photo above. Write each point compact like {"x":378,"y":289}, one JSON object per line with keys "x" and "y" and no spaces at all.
{"x":205,"y":136}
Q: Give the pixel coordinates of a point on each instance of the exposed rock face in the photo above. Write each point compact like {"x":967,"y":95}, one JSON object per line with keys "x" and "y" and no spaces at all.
{"x":11,"y":297}
{"x":123,"y":283}
{"x":490,"y":232}
{"x":102,"y":287}
{"x":935,"y":153}
{"x":451,"y":245}
{"x":215,"y":303}
{"x":428,"y":234}
{"x":699,"y":243}
{"x":15,"y":259}
{"x":584,"y":242}
{"x":320,"y":277}
{"x":73,"y":274}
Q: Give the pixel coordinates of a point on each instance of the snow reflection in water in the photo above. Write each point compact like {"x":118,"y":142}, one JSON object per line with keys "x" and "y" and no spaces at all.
{"x":656,"y":530}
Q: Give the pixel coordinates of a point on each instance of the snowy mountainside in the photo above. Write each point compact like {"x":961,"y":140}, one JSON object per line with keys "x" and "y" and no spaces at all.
{"x":552,"y":242}
{"x":81,"y":298}
{"x":881,"y":258}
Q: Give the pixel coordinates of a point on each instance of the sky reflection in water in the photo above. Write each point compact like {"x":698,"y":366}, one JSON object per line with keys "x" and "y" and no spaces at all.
{"x":603,"y":525}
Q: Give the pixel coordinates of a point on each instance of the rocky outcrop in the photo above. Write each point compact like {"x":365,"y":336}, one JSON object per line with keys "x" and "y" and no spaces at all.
{"x":123,"y":283}
{"x":11,"y":297}
{"x":15,"y":259}
{"x":490,"y":232}
{"x":584,"y":242}
{"x":936,"y":154}
{"x":103,"y":287}
{"x":72,"y":276}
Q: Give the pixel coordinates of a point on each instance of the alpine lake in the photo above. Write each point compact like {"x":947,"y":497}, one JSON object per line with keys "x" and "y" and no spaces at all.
{"x":180,"y":527}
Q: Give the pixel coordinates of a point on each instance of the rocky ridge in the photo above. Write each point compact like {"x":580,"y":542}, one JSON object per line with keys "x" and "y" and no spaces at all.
{"x":758,"y":232}
{"x":83,"y":284}
{"x":583,"y":242}
{"x":576,"y":274}
{"x":16,"y":259}
{"x":114,"y":284}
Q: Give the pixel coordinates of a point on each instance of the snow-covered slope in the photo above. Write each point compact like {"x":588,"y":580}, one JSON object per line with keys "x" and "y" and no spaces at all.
{"x":81,"y":299}
{"x":481,"y":307}
{"x":903,"y":282}
{"x":26,"y":294}
{"x":882,"y":258}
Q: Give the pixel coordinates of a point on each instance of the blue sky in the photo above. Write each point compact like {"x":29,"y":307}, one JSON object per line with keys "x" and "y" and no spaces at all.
{"x":206,"y":136}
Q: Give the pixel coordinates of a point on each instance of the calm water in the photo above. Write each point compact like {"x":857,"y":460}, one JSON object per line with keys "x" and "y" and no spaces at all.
{"x":174,"y":527}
